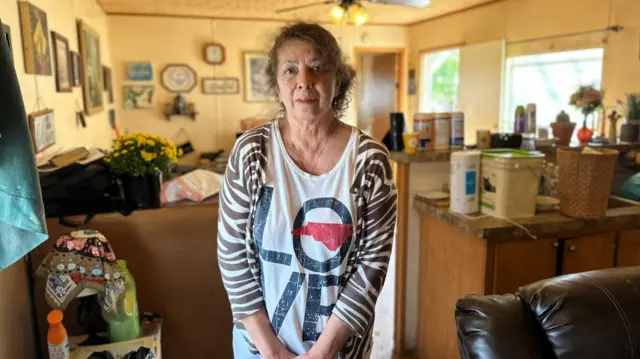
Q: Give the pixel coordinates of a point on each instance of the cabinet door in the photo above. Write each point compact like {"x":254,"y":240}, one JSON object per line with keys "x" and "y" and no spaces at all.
{"x":587,"y":253}
{"x":628,"y":249}
{"x":524,"y":262}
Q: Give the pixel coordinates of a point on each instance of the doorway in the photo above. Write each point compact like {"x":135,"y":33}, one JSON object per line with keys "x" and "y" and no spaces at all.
{"x":378,"y":88}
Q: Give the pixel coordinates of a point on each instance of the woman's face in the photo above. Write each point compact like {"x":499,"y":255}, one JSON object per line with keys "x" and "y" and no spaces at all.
{"x":306,"y":86}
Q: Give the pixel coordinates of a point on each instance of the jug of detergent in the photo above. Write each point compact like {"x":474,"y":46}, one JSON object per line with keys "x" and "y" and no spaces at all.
{"x":126,"y":325}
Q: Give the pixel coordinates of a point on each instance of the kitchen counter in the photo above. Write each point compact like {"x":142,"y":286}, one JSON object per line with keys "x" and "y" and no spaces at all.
{"x":543,"y":225}
{"x":462,"y":255}
{"x":425,"y":156}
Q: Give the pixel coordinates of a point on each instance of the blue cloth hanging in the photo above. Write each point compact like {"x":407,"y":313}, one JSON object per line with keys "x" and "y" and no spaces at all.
{"x":22,"y":220}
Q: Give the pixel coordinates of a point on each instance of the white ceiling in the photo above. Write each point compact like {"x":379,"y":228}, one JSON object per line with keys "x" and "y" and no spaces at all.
{"x":265,"y":9}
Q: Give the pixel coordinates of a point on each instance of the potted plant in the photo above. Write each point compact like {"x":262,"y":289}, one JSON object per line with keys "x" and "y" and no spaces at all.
{"x":630,"y":131}
{"x":563,"y":129}
{"x":139,"y":160}
{"x":587,"y":99}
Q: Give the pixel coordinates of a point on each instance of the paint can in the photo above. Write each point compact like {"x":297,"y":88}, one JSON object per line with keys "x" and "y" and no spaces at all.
{"x":457,"y":130}
{"x":464,"y":191}
{"x":423,"y":124}
{"x":442,"y":130}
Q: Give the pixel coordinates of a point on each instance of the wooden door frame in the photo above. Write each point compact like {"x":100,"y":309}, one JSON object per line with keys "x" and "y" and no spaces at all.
{"x":399,"y":71}
{"x":400,"y":247}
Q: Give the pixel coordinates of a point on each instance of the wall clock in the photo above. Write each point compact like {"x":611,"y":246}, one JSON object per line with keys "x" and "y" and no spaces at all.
{"x":214,"y":53}
{"x":178,"y":78}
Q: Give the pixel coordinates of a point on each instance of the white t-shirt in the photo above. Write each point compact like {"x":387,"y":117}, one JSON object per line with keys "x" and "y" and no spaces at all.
{"x":304,"y":229}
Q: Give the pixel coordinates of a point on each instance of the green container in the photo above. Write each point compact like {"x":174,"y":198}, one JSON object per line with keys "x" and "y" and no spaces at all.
{"x":126,"y":325}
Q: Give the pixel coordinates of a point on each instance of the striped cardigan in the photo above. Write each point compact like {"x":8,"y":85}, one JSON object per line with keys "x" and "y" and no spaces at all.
{"x":374,"y":193}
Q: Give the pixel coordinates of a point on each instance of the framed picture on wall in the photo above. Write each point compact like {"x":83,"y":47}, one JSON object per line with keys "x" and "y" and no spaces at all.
{"x":6,"y":31}
{"x":256,"y":86}
{"x":108,"y":82}
{"x":138,"y":97}
{"x":43,"y":129}
{"x":220,"y":85}
{"x":76,"y":69}
{"x":91,"y":69}
{"x":178,"y":78}
{"x":35,"y":39}
{"x":64,"y":75}
{"x":138,"y":71}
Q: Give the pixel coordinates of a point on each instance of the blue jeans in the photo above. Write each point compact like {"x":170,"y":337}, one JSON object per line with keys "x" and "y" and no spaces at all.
{"x":241,"y":348}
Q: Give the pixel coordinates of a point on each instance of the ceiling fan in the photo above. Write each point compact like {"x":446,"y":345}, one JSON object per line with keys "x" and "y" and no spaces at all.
{"x":353,"y":9}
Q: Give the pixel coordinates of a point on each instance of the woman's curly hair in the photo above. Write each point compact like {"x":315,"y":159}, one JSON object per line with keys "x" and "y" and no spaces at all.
{"x":327,"y":47}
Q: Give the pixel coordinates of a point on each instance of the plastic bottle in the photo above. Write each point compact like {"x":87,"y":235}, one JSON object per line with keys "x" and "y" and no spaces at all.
{"x":520,"y":120}
{"x":57,"y":338}
{"x":126,"y":325}
{"x":531,"y":118}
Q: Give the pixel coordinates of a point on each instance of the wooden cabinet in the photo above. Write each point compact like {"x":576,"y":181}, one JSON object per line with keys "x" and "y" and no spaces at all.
{"x":587,"y":253}
{"x":628,"y":249}
{"x":524,"y":262}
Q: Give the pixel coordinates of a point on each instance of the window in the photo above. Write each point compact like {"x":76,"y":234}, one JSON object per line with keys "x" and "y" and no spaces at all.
{"x":548,"y":80}
{"x":439,"y":80}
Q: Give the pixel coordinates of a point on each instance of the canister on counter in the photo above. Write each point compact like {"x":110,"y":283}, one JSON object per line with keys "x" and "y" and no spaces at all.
{"x":423,"y":124}
{"x":442,"y":130}
{"x":483,"y":139}
{"x":457,"y":130}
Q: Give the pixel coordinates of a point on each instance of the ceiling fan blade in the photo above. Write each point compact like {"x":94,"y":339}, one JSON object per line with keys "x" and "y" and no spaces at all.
{"x":412,"y":3}
{"x":297,"y":7}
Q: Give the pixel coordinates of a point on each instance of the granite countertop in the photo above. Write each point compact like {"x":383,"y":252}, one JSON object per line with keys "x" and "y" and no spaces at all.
{"x":543,"y":225}
{"x":424,"y":156}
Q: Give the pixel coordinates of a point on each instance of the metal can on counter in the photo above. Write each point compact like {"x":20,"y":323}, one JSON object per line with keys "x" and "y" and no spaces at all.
{"x":423,"y":124}
{"x":457,"y":130}
{"x":442,"y":130}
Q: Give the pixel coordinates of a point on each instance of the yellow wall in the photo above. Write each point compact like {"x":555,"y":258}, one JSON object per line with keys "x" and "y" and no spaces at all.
{"x":61,"y":17}
{"x":518,"y":20}
{"x":164,"y":40}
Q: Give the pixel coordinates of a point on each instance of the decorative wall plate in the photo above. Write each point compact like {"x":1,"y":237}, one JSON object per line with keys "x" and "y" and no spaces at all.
{"x":179,"y":78}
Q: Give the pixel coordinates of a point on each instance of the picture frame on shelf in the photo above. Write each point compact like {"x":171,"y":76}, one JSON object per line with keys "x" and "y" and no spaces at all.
{"x":220,"y":85}
{"x":35,"y":39}
{"x":178,"y":78}
{"x":43,"y":129}
{"x":62,"y":61}
{"x":76,"y":69}
{"x":92,"y":87}
{"x":214,"y":53}
{"x":256,"y":84}
{"x":138,"y":97}
{"x":138,"y":71}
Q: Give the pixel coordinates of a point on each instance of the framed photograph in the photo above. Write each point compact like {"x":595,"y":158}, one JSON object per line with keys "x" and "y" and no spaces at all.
{"x":220,"y":85}
{"x":138,"y":71}
{"x":139,"y":96}
{"x":108,"y":82}
{"x":256,"y":87}
{"x":35,"y":39}
{"x":91,"y":69}
{"x":6,"y":31}
{"x":76,"y":67}
{"x":43,"y":129}
{"x":64,"y":80}
{"x":214,"y":53}
{"x":178,"y":78}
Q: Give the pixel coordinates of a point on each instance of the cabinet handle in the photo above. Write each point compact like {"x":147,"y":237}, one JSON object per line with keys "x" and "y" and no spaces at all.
{"x":572,"y":248}
{"x":556,"y":244}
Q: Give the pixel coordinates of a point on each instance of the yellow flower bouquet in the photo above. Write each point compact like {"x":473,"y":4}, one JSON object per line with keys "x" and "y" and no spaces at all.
{"x":140,"y":154}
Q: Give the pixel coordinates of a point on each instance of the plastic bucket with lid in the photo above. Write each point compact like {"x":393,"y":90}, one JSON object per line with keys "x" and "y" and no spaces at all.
{"x":510,"y":182}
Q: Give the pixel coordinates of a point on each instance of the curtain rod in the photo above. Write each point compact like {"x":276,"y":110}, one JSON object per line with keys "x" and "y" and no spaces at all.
{"x":614,"y":28}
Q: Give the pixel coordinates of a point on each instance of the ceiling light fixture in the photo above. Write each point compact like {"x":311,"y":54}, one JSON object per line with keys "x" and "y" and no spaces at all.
{"x":355,"y":13}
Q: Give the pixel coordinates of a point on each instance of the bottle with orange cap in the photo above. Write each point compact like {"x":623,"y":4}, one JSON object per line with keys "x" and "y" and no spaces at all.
{"x":57,"y":336}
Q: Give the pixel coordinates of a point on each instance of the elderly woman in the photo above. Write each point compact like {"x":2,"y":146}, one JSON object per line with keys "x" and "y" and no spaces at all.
{"x":307,"y":213}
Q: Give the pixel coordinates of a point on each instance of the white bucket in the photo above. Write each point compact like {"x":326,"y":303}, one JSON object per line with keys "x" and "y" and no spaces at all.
{"x":510,"y":182}
{"x":465,"y":172}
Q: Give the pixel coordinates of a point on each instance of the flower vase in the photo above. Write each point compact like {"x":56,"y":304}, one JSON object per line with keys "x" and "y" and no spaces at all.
{"x":613,"y":130}
{"x":142,"y":192}
{"x":585,"y":134}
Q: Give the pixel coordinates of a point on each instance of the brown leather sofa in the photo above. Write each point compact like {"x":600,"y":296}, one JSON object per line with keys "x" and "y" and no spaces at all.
{"x":590,"y":315}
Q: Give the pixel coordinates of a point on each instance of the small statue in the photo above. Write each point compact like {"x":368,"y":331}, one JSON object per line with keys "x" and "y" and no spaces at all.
{"x":613,"y":117}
